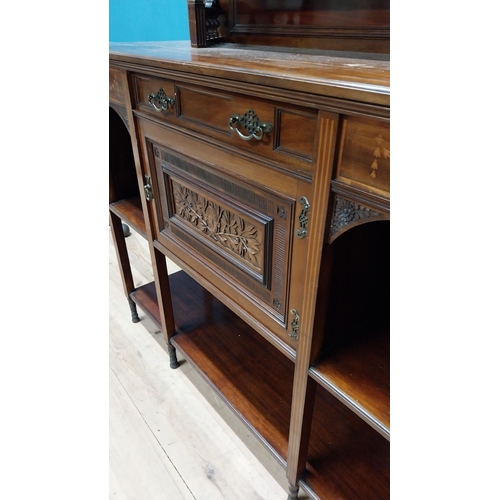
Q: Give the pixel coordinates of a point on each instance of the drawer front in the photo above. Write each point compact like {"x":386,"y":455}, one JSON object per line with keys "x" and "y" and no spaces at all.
{"x":117,"y":86}
{"x":280,"y":132}
{"x":364,"y":159}
{"x":211,"y":111}
{"x":155,"y":96}
{"x":242,"y":231}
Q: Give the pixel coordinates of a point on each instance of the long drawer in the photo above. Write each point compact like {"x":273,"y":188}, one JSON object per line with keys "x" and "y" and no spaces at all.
{"x":281,"y":132}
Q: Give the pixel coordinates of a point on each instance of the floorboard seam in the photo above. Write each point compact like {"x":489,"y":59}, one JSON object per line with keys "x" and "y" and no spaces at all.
{"x":153,"y":434}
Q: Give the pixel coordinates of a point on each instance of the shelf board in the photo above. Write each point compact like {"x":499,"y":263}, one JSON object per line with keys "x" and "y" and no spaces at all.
{"x":130,"y":211}
{"x":251,"y":375}
{"x":358,"y":373}
{"x":346,"y":457}
{"x":145,"y":297}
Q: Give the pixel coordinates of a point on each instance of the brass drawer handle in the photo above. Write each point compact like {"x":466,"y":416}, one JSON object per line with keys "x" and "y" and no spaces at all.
{"x":162,"y":99}
{"x":250,"y":121}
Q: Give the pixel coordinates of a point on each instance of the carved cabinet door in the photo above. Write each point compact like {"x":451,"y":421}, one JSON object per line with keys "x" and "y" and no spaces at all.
{"x":235,"y":222}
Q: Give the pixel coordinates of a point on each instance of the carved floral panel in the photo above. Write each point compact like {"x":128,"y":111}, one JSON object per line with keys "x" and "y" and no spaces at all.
{"x":241,"y":232}
{"x":222,"y":225}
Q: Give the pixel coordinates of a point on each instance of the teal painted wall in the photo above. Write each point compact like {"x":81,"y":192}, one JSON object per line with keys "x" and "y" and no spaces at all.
{"x":148,"y":20}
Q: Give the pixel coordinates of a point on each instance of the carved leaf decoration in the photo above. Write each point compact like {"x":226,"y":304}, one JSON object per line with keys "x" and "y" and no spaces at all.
{"x":200,"y":204}
{"x":253,"y":248}
{"x":181,"y":205}
{"x":224,"y":222}
{"x":387,"y":153}
{"x":248,"y":230}
{"x":212,"y":219}
{"x":221,"y":225}
{"x":376,"y":153}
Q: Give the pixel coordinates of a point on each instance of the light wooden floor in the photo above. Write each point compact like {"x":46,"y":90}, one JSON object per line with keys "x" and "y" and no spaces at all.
{"x":170,"y":436}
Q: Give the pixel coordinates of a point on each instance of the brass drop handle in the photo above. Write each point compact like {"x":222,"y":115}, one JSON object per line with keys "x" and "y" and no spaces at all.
{"x":250,"y":121}
{"x":162,"y":99}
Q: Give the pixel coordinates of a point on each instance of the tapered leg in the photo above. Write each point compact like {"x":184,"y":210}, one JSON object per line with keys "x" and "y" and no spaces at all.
{"x":116,"y":226}
{"x":164,"y":301}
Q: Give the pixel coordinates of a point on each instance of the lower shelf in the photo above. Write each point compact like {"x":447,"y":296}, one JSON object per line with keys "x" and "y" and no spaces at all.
{"x":347,"y":459}
{"x":252,"y":376}
{"x":358,"y":372}
{"x":130,"y":211}
{"x":145,"y":297}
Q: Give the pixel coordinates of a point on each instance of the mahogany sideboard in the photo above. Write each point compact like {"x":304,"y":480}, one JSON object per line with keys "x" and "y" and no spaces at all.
{"x":264,"y":174}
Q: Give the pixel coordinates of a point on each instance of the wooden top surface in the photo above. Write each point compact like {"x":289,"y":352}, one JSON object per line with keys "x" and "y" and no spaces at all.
{"x":352,"y":76}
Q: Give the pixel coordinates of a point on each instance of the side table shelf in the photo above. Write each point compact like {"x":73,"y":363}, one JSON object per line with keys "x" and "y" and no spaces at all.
{"x":251,"y":375}
{"x":357,"y":373}
{"x":130,"y":211}
{"x":145,"y":297}
{"x":255,"y":380}
{"x":124,"y":200}
{"x":354,"y":364}
{"x":346,"y":457}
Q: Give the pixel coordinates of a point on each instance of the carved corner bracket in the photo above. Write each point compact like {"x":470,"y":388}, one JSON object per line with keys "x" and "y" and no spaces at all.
{"x":347,"y":214}
{"x":226,"y":229}
{"x":122,"y":113}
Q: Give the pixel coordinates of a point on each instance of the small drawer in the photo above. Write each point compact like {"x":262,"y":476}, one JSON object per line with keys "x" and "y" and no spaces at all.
{"x":117,"y":87}
{"x":247,"y":123}
{"x":155,"y":96}
{"x":364,"y":159}
{"x":281,"y":132}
